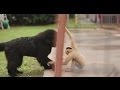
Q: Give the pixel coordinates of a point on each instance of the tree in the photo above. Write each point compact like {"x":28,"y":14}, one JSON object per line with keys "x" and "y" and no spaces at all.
{"x":31,"y":19}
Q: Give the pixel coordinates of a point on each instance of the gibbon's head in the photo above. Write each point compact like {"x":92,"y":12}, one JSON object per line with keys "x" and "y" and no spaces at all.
{"x":68,"y":50}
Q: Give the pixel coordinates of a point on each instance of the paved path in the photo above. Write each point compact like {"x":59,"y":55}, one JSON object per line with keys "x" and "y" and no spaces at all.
{"x":101,"y":49}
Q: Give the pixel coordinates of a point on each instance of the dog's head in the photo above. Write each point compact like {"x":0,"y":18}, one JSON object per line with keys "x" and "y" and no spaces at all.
{"x":48,"y":37}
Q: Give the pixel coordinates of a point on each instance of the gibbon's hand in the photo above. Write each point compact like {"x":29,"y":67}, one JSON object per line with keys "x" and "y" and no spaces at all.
{"x":51,"y":63}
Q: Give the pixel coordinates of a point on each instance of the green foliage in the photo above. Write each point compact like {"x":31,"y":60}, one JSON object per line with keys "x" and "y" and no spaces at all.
{"x":72,"y":15}
{"x":31,"y":19}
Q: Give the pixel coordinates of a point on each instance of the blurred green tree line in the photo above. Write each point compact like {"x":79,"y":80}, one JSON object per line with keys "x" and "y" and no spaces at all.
{"x":31,"y":19}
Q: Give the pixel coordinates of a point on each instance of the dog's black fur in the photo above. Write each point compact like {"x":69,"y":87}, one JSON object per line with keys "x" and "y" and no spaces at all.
{"x":38,"y":46}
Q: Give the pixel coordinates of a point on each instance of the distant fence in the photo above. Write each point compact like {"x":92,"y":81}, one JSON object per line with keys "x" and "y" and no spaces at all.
{"x":109,"y":20}
{"x":95,"y":20}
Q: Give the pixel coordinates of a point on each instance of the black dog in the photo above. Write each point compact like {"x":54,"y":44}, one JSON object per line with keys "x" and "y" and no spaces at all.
{"x":38,"y":46}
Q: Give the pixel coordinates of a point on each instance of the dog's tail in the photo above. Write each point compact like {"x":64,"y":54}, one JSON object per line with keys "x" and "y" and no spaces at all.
{"x":2,"y":46}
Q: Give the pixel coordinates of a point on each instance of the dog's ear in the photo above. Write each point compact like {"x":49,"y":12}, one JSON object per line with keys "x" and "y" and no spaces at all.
{"x":49,"y":41}
{"x":48,"y":37}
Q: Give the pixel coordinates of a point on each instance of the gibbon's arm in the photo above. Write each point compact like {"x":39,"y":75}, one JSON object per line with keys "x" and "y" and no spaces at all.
{"x":73,"y":44}
{"x":68,"y":59}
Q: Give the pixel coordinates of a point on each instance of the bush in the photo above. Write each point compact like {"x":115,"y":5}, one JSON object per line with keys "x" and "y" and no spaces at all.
{"x":31,"y":19}
{"x":72,"y":15}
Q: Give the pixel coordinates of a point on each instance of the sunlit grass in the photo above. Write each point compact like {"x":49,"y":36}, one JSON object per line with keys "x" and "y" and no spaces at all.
{"x":71,"y":24}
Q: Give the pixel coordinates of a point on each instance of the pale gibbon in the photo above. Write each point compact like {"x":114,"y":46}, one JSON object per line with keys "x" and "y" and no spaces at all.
{"x":73,"y":54}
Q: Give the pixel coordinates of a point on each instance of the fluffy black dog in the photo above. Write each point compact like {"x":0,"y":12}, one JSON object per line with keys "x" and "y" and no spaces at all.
{"x":38,"y":46}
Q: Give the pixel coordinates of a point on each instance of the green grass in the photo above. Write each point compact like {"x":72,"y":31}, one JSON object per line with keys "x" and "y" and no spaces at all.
{"x":21,"y":31}
{"x":71,"y":24}
{"x":30,"y":66}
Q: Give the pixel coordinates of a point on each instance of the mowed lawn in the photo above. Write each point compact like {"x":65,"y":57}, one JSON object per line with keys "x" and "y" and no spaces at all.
{"x":30,"y":66}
